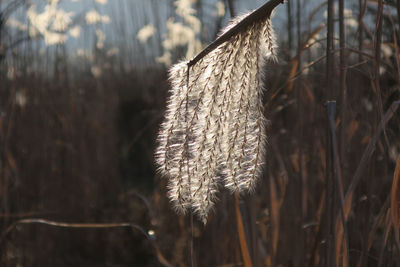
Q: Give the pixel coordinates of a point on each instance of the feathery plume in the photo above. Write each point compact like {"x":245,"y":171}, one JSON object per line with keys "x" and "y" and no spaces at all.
{"x":214,"y":128}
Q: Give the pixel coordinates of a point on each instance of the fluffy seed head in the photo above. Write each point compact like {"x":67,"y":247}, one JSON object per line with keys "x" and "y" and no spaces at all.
{"x":214,"y":129}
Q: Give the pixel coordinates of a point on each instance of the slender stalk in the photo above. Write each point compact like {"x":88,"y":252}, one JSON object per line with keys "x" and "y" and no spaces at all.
{"x":290,"y":32}
{"x":231,"y":8}
{"x":377,"y":61}
{"x":398,"y":11}
{"x":302,"y":200}
{"x":342,"y":84}
{"x":337,"y":175}
{"x":343,"y":111}
{"x":57,"y":224}
{"x":242,"y":234}
{"x":330,"y":185}
{"x":257,"y":15}
{"x":360,"y":29}
{"x":329,"y":51}
{"x":298,"y":21}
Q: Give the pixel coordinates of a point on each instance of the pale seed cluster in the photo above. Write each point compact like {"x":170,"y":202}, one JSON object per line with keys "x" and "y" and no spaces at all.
{"x":214,"y":128}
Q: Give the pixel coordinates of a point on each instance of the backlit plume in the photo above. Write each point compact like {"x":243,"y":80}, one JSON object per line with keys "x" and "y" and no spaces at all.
{"x":214,"y":128}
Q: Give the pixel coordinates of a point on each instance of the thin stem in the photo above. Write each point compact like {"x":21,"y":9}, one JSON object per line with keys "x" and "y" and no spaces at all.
{"x":329,"y":185}
{"x":331,"y":115}
{"x":342,"y":84}
{"x":160,"y":257}
{"x":231,"y":8}
{"x":290,"y":33}
{"x":259,"y":14}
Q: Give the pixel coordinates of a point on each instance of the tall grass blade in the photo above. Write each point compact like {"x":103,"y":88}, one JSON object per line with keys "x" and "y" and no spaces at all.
{"x":388,"y":228}
{"x":275,"y":207}
{"x":242,"y":236}
{"x":339,"y":189}
{"x":395,"y":203}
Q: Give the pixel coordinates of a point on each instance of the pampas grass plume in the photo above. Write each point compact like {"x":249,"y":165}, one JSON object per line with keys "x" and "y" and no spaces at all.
{"x":214,"y":128}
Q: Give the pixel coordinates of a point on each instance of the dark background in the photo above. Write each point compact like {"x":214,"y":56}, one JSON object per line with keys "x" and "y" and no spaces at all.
{"x":80,"y":150}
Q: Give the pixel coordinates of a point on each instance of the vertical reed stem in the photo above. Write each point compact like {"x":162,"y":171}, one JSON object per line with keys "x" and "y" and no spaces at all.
{"x":298,"y":18}
{"x":242,"y":234}
{"x":398,"y":11}
{"x":289,"y":28}
{"x":231,"y":8}
{"x":360,"y":29}
{"x":330,"y":186}
{"x":342,"y":84}
{"x":377,"y":62}
{"x":302,"y":200}
{"x":337,"y":174}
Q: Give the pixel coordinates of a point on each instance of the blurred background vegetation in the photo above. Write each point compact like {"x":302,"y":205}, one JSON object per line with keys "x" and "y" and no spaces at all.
{"x":83,"y":85}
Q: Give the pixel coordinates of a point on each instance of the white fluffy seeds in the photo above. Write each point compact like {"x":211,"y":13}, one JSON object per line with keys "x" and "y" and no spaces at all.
{"x":214,"y":128}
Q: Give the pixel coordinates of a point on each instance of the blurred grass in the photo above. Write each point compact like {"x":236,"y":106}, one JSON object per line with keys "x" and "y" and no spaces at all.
{"x":79,"y":148}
